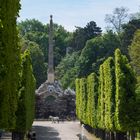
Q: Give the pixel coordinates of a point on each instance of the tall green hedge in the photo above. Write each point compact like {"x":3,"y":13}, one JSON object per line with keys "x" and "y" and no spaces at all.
{"x":92,"y":90}
{"x":83,"y":99}
{"x":9,"y":62}
{"x":77,"y":81}
{"x":26,"y":98}
{"x":125,"y":94}
{"x":101,"y":99}
{"x":109,"y":89}
{"x":109,"y":102}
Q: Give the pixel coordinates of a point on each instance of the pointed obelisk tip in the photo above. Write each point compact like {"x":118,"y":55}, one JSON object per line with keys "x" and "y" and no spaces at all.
{"x":51,"y":16}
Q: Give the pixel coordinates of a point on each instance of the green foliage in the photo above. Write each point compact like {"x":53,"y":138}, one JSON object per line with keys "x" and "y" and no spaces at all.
{"x":129,"y":30}
{"x":95,"y":52}
{"x":9,"y":63}
{"x":77,"y":83}
{"x":92,"y":100}
{"x":81,"y":35}
{"x":38,"y":63}
{"x":26,"y":98}
{"x":109,"y":89}
{"x":105,"y":113}
{"x":110,"y":102}
{"x":92,"y":30}
{"x":134,"y":51}
{"x":35,"y":37}
{"x":101,"y":99}
{"x":83,"y":99}
{"x":38,"y":60}
{"x":30,"y":25}
{"x":60,"y":37}
{"x":137,"y":136}
{"x":125,"y":94}
{"x":66,"y":71}
{"x":34,"y":31}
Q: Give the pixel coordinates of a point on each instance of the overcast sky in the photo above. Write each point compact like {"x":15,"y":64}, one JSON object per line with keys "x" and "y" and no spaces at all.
{"x":71,"y":13}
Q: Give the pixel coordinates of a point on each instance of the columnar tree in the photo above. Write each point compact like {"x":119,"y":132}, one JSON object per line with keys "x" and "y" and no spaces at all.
{"x":77,"y":97}
{"x":134,"y":52}
{"x":109,"y":88}
{"x":26,"y":98}
{"x":83,"y":99}
{"x":92,"y":90}
{"x":113,"y":105}
{"x":125,"y":94}
{"x":9,"y":62}
{"x":101,"y":99}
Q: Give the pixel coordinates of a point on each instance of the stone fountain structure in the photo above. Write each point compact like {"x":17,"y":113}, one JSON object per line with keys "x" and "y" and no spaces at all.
{"x":50,"y":97}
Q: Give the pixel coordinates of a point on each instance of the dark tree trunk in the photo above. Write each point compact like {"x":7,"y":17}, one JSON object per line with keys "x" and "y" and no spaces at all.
{"x":128,"y":135}
{"x":132,"y":135}
{"x":18,"y":136}
{"x":116,"y":136}
{"x":103,"y":134}
{"x":106,"y":135}
{"x":124,"y":135}
{"x":96,"y":132}
{"x":120,"y":136}
{"x":100,"y":133}
{"x":111,"y":135}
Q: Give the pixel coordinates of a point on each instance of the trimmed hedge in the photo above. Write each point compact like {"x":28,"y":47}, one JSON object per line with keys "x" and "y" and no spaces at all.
{"x":125,"y":94}
{"x":110,"y":101}
{"x":109,"y":90}
{"x":10,"y":63}
{"x":26,"y":99}
{"x":92,"y":99}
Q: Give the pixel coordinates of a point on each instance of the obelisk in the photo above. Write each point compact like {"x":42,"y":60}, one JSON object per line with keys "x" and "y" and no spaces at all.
{"x":50,"y":55}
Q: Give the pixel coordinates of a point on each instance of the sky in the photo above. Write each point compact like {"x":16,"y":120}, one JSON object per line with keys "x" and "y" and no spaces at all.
{"x":71,"y":13}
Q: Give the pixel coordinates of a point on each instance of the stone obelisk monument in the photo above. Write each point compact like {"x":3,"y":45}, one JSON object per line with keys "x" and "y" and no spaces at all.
{"x":50,"y":57}
{"x":51,"y":88}
{"x":50,"y":95}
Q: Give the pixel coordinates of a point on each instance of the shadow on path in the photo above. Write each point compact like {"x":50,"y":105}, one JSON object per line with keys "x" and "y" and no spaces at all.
{"x":46,"y":133}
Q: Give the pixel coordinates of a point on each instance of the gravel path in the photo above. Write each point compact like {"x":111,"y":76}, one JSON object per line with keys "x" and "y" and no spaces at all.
{"x":46,"y":130}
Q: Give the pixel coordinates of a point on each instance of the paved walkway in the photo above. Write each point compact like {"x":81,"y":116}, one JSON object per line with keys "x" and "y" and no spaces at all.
{"x":46,"y":130}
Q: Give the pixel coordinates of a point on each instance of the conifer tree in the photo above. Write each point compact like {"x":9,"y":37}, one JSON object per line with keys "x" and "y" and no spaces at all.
{"x":134,"y":52}
{"x":9,"y":62}
{"x":77,"y":97}
{"x":83,"y":99}
{"x":125,"y":94}
{"x":101,"y":99}
{"x":92,"y":90}
{"x":109,"y":83}
{"x":26,"y":98}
